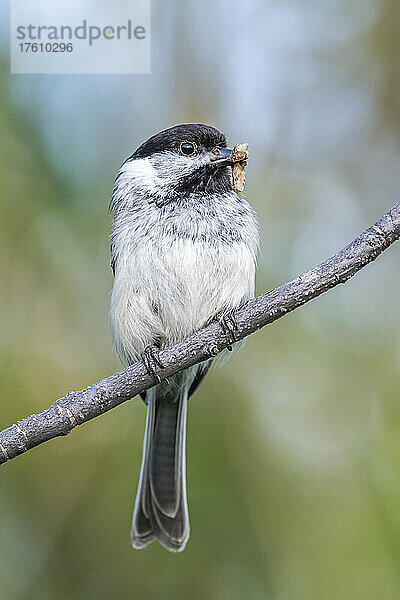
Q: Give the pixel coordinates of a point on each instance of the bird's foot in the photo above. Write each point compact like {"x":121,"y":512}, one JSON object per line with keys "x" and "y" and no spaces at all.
{"x":151,"y":360}
{"x":229,"y":326}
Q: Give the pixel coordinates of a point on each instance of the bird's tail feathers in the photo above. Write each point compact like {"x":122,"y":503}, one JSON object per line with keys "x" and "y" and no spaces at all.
{"x":161,"y":509}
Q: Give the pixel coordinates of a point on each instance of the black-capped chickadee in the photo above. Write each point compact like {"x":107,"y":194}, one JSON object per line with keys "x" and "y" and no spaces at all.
{"x":183,"y":252}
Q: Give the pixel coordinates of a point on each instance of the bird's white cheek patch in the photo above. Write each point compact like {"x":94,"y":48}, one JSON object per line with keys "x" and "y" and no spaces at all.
{"x":143,"y":175}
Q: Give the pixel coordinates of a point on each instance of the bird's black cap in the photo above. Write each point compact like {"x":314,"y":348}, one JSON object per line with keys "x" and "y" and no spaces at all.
{"x":204,"y":136}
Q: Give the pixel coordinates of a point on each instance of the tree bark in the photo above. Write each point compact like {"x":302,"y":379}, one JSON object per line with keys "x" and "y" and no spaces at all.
{"x":78,"y":407}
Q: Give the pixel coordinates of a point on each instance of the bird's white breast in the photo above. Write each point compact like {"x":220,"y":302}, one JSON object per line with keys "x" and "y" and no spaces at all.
{"x":167,"y":285}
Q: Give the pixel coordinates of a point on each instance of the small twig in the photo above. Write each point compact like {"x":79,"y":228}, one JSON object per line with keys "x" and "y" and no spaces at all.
{"x":78,"y":407}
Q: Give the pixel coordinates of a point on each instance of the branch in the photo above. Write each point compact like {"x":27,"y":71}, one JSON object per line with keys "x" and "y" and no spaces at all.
{"x":78,"y":407}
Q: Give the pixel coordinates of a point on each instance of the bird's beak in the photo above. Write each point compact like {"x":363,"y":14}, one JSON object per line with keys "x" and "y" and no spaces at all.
{"x":224,"y":156}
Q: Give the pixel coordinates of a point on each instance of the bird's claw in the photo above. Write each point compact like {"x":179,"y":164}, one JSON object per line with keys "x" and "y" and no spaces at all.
{"x":230,"y":327}
{"x":151,"y":360}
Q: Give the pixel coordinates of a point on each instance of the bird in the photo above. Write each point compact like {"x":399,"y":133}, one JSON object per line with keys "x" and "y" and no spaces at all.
{"x":183,"y":252}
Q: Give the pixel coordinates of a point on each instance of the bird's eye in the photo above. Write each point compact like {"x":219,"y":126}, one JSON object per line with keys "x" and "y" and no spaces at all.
{"x":188,"y":148}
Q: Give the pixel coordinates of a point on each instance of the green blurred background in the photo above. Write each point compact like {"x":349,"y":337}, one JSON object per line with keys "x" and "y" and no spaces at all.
{"x":293,"y":446}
